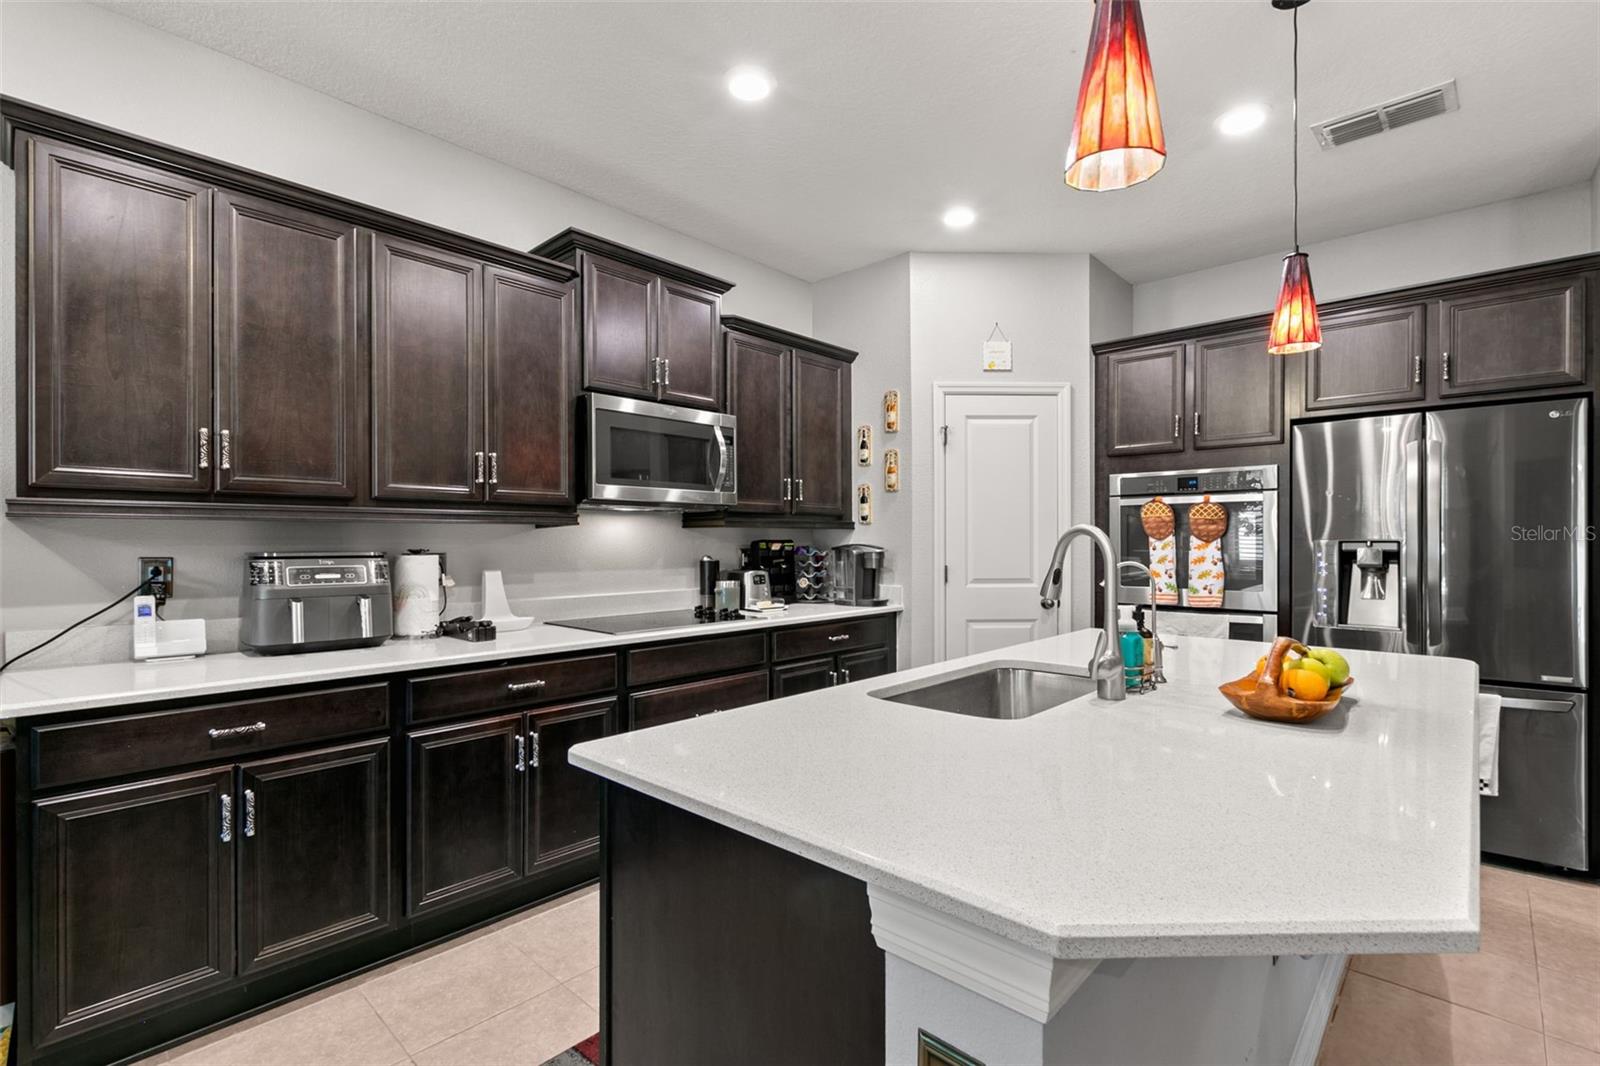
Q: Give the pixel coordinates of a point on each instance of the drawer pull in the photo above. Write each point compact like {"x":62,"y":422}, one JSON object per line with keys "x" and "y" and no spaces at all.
{"x":838,"y":637}
{"x":249,"y":812}
{"x":237,"y":730}
{"x":524,"y":686}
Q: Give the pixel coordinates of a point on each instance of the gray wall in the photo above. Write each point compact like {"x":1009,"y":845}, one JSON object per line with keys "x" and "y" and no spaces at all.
{"x":91,"y":62}
{"x":1528,"y":229}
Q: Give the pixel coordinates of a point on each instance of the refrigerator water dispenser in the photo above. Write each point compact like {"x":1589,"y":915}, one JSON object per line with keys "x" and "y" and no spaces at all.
{"x":1369,"y":584}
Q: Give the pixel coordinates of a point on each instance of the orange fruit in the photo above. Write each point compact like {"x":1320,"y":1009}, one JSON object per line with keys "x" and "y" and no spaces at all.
{"x":1261,"y":667}
{"x":1305,"y":684}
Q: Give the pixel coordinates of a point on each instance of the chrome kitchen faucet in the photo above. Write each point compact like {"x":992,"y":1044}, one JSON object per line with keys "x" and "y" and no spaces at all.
{"x":1107,"y":666}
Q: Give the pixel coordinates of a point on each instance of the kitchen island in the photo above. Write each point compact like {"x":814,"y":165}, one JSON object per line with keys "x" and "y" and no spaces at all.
{"x":840,"y":877}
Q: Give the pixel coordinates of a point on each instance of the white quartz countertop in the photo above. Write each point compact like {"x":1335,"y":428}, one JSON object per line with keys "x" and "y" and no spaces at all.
{"x":1166,"y":824}
{"x":25,"y":693}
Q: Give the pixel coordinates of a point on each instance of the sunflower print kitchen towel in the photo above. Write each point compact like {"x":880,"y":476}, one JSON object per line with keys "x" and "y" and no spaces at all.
{"x":1159,"y":527}
{"x":1207,"y":574}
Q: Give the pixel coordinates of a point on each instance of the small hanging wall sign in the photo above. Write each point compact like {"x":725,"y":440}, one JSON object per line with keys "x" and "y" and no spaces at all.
{"x":891,"y":470}
{"x":891,"y":411}
{"x":863,"y":445}
{"x":996,"y":353}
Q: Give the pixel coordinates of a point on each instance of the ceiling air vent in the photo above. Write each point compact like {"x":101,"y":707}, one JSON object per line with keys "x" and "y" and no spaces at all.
{"x":1403,"y":111}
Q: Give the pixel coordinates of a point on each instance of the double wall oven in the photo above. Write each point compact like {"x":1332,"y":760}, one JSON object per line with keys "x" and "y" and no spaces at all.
{"x":1249,"y":547}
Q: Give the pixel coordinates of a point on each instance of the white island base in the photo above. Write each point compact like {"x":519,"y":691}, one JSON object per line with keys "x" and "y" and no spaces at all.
{"x":997,"y":1001}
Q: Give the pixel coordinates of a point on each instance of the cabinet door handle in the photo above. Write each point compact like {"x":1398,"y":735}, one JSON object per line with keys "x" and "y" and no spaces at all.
{"x":655,"y":371}
{"x":249,"y":812}
{"x":666,"y":373}
{"x":1416,"y":370}
{"x":838,"y":637}
{"x":846,"y":674}
{"x":494,"y":468}
{"x":788,"y":488}
{"x":477,"y":465}
{"x":237,"y":730}
{"x":833,"y":677}
{"x":516,"y":687}
{"x":533,"y":755}
{"x":800,"y":488}
{"x":205,"y":448}
{"x":1444,"y":366}
{"x":522,"y":753}
{"x":227,"y":818}
{"x":1197,"y":425}
{"x":224,"y":452}
{"x":1177,"y":426}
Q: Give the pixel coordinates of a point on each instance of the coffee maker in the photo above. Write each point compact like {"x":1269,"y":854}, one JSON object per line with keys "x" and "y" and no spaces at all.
{"x":857,"y":574}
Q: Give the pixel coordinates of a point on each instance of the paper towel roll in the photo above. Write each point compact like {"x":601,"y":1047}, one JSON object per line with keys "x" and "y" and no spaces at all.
{"x":418,"y":595}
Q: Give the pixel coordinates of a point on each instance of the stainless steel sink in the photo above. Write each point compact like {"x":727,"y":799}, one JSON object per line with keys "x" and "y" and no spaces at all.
{"x":997,"y":690}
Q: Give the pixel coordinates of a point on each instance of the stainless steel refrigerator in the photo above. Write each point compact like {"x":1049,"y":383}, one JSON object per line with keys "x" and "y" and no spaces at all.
{"x":1465,"y":533}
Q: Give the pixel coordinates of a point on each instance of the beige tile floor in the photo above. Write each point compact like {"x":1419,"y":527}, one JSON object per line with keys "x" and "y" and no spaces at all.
{"x":527,"y":988}
{"x":1530,"y":995}
{"x":516,"y":992}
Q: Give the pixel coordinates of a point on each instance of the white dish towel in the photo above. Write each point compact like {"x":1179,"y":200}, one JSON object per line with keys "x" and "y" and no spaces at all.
{"x":1488,"y":744}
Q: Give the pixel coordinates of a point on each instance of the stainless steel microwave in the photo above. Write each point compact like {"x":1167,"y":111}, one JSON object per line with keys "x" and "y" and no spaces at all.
{"x":653,"y":453}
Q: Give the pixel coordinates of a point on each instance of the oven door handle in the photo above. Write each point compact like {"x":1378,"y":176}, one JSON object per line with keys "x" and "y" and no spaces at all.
{"x":1251,"y":496}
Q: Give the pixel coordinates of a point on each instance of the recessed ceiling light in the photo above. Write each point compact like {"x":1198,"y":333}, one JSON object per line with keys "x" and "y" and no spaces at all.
{"x":749,"y":84}
{"x":960,"y":217}
{"x":1238,"y":121}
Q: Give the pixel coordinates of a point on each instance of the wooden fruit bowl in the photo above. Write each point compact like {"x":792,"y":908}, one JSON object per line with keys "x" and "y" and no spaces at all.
{"x":1259,"y":697}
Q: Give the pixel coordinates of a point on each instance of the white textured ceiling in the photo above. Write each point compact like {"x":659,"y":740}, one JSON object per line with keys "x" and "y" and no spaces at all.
{"x":886,"y":113}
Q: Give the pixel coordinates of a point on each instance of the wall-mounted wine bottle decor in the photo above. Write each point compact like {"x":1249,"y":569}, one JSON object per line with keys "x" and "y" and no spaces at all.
{"x":864,"y":503}
{"x":891,"y":411}
{"x":863,"y":445}
{"x":891,"y":470}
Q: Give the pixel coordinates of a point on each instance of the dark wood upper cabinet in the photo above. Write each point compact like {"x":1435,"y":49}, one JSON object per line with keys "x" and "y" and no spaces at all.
{"x":529,"y":345}
{"x":286,"y":359}
{"x":313,"y":834}
{"x":465,"y":819}
{"x":619,"y":328}
{"x":651,"y":327}
{"x":133,"y":897}
{"x":1236,"y":389}
{"x":563,"y":820}
{"x":820,"y":441}
{"x":1144,"y":400}
{"x":427,"y":373}
{"x":1368,"y":357}
{"x":116,"y":367}
{"x":759,"y":378}
{"x":1522,"y":336}
{"x":690,"y":343}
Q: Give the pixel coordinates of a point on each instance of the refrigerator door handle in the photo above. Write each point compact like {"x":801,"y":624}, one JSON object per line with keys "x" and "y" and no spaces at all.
{"x":1518,"y":703}
{"x":1411,"y":552}
{"x":1436,"y":549}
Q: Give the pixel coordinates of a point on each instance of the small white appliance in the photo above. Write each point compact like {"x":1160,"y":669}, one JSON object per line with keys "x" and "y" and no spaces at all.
{"x":156,"y":638}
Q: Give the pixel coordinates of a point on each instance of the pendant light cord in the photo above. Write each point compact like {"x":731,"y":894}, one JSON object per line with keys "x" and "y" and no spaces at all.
{"x":1294,"y":118}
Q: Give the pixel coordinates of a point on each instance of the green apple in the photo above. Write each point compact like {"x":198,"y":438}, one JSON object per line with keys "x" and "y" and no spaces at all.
{"x":1317,"y":666}
{"x":1338,"y":669}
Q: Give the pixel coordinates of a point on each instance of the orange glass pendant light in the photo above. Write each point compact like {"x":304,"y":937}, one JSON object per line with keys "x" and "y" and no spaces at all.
{"x":1295,"y":326}
{"x":1116,"y":134}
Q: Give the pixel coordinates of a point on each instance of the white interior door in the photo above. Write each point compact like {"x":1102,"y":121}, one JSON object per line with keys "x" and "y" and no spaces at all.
{"x":1002,"y":506}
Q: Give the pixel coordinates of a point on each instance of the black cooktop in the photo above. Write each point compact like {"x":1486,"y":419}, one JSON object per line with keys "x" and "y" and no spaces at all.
{"x":639,"y":623}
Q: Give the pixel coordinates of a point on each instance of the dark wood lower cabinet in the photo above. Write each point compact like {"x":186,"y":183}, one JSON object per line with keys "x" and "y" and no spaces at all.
{"x":465,"y":825}
{"x":154,"y":909}
{"x":791,"y":679}
{"x":563,"y":811}
{"x":313,"y":834}
{"x":133,"y":899}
